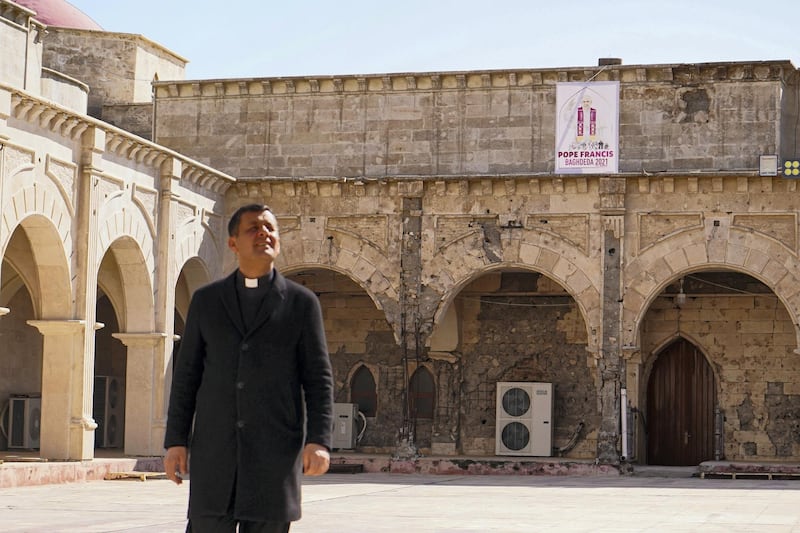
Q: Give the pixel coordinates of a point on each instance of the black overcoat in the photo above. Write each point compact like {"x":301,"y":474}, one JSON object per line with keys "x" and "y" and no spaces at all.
{"x":245,"y":390}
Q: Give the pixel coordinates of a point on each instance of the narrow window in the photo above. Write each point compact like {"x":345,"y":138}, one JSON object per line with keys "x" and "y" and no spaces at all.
{"x":422,"y":393}
{"x":362,"y":391}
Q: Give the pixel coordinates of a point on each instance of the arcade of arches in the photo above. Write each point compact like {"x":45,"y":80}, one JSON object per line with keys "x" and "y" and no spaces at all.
{"x":424,"y":211}
{"x":527,"y":310}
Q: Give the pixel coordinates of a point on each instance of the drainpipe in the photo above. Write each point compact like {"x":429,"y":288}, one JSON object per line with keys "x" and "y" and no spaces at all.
{"x":623,"y":400}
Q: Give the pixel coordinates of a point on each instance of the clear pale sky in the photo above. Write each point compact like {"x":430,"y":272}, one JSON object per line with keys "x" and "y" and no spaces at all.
{"x":268,"y":38}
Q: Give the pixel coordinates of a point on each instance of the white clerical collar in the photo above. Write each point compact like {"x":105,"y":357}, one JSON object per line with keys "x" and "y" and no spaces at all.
{"x":253,"y":283}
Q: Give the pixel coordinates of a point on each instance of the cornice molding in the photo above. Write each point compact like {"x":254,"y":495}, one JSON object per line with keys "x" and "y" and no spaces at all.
{"x":475,"y":80}
{"x":70,"y":125}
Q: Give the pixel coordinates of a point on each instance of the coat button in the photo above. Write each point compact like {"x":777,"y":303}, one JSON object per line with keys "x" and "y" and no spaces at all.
{"x":245,"y":347}
{"x":240,"y":385}
{"x":240,"y":424}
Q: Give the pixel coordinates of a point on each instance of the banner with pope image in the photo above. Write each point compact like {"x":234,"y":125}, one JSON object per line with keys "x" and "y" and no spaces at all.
{"x":587,"y":127}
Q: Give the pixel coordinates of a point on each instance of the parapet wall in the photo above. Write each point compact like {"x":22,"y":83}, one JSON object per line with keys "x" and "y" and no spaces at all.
{"x":709,"y":117}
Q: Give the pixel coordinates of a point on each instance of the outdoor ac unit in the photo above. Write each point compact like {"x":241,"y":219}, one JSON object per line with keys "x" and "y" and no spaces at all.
{"x":524,"y":419}
{"x":344,"y":425}
{"x":24,"y":419}
{"x":108,"y":412}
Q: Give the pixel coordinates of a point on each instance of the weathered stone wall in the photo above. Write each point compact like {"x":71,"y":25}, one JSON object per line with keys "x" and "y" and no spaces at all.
{"x":749,"y":340}
{"x":357,"y":333}
{"x":709,"y":116}
{"x":118,"y":67}
{"x":422,"y":190}
{"x":135,"y":118}
{"x":476,"y":229}
{"x":526,"y":338}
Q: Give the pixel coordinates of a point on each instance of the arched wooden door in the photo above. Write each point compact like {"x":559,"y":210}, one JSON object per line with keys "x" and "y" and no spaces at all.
{"x":680,"y":407}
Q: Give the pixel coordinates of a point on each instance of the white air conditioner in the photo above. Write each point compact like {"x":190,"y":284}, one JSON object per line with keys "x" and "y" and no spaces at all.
{"x":24,"y":419}
{"x":344,"y":425}
{"x":524,"y":419}
{"x":108,"y":412}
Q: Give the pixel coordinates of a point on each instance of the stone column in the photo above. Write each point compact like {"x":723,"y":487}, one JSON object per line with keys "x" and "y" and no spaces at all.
{"x":410,"y":288}
{"x":610,"y":364}
{"x":166,"y":276}
{"x":145,"y":420}
{"x":67,"y":426}
{"x":84,"y":272}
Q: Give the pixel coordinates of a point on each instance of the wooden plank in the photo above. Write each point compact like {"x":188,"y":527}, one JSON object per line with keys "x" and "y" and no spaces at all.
{"x":141,"y":476}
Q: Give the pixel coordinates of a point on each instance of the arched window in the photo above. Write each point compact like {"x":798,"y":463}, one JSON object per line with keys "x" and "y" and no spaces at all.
{"x":422,"y":393}
{"x":362,"y":391}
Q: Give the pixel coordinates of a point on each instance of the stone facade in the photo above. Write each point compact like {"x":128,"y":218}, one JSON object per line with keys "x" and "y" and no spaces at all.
{"x":354,"y":164}
{"x":424,"y":211}
{"x":100,"y":231}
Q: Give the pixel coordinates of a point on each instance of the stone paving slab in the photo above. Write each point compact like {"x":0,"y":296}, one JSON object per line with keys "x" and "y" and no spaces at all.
{"x":376,"y":503}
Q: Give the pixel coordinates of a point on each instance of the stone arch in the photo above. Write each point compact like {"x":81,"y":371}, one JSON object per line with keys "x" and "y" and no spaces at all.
{"x":127,"y":221}
{"x":587,"y":300}
{"x":192,"y":275}
{"x":288,"y":270}
{"x":423,"y":371}
{"x":130,"y":288}
{"x":357,"y":258}
{"x":751,"y":254}
{"x":43,"y":262}
{"x":373,"y":372}
{"x":541,"y":252}
{"x":649,"y":359}
{"x":196,"y":240}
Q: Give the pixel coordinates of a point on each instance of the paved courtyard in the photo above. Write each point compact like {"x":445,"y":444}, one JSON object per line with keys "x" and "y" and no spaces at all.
{"x":372,"y":503}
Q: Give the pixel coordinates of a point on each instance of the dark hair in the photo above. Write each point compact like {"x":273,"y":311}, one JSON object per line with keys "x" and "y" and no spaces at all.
{"x":233,"y":224}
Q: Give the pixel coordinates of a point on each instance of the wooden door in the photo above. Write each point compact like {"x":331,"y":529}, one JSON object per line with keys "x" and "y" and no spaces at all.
{"x":680,"y":407}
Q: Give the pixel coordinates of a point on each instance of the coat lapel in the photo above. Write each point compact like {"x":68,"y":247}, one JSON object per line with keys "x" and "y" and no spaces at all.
{"x":272,"y":301}
{"x":231,"y":302}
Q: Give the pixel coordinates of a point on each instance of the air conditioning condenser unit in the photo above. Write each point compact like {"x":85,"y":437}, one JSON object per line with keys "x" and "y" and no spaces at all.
{"x":108,"y":413}
{"x":24,"y":421}
{"x":344,"y":425}
{"x":524,"y":419}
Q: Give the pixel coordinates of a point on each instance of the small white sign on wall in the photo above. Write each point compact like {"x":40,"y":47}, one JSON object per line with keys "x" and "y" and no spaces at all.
{"x":587,"y":127}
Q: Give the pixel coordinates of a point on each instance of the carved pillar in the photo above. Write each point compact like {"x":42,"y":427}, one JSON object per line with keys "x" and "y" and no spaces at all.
{"x":144,"y":379}
{"x":67,"y":426}
{"x":166,"y":276}
{"x":84,"y":268}
{"x":610,"y":364}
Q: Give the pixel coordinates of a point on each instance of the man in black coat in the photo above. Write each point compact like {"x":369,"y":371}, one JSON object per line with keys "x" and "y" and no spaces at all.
{"x":252,"y":367}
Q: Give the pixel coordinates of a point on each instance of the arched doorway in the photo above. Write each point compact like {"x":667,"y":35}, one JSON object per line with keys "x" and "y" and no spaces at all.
{"x":680,"y":407}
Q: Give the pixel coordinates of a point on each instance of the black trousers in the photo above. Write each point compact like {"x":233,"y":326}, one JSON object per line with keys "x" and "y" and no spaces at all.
{"x":227,"y":524}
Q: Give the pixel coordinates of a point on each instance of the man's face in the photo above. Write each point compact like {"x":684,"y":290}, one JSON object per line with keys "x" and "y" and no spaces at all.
{"x":257,"y":242}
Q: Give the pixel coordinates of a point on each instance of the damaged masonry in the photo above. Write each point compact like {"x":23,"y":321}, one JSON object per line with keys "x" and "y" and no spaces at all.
{"x":645,"y":312}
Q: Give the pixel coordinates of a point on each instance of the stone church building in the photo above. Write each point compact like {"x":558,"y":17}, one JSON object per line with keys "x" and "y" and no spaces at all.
{"x":659,"y":301}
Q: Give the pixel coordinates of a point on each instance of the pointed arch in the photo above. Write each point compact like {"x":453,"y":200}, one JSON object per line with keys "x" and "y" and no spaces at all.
{"x":422,"y":393}
{"x":363,"y":391}
{"x":681,"y":398}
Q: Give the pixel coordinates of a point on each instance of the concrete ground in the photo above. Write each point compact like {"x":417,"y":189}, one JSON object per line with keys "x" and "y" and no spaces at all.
{"x":412,"y":503}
